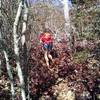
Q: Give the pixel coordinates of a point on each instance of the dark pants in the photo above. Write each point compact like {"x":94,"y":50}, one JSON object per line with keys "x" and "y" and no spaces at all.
{"x":48,"y":46}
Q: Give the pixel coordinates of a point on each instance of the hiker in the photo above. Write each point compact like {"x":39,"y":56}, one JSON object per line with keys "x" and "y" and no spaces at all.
{"x":46,"y":39}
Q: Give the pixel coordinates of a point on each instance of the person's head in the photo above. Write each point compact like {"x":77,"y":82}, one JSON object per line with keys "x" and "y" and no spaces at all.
{"x":47,"y":34}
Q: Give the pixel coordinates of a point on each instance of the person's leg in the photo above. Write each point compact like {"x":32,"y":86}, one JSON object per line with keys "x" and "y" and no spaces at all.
{"x":46,"y":57}
{"x":49,"y":49}
{"x":46,"y":54}
{"x":50,"y":56}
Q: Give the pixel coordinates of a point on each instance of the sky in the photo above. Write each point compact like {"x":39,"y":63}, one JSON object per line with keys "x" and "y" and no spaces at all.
{"x":55,"y":2}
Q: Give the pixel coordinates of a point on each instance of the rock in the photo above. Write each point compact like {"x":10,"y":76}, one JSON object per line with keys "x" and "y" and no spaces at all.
{"x":62,"y":91}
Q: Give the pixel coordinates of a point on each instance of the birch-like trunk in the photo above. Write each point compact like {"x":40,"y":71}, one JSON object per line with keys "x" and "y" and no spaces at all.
{"x":10,"y":75}
{"x":24,"y":47}
{"x":0,"y":64}
{"x":25,"y":16}
{"x":0,"y":8}
{"x":67,"y":21}
{"x":0,"y":35}
{"x":16,"y":50}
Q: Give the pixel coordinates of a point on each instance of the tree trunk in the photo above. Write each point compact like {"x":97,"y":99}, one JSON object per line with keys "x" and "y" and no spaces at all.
{"x":67,"y":22}
{"x":24,"y":47}
{"x":10,"y":75}
{"x":24,"y":23}
{"x":0,"y":65}
{"x":0,"y":34}
{"x":0,"y":8}
{"x":16,"y":50}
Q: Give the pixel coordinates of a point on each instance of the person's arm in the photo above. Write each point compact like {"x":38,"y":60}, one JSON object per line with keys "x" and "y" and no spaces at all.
{"x":52,"y":39}
{"x":40,"y":41}
{"x":40,"y":38}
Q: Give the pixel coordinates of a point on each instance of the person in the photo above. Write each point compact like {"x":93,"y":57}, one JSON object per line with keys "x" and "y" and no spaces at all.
{"x":46,"y":39}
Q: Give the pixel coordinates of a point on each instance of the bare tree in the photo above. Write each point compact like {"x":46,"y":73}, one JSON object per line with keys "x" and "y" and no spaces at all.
{"x":67,"y":21}
{"x":10,"y":75}
{"x":24,"y":45}
{"x":0,"y":8}
{"x":6,"y":58}
{"x":25,"y":17}
{"x":0,"y":33}
{"x":46,"y":15}
{"x":16,"y":50}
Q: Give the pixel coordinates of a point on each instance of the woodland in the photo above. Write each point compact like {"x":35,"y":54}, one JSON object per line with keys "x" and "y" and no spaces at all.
{"x":74,"y":73}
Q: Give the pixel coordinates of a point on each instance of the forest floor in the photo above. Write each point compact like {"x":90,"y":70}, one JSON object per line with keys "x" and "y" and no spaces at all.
{"x":71,"y":76}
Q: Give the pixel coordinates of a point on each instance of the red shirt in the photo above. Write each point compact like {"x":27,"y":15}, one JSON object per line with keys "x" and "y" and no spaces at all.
{"x":46,"y":38}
